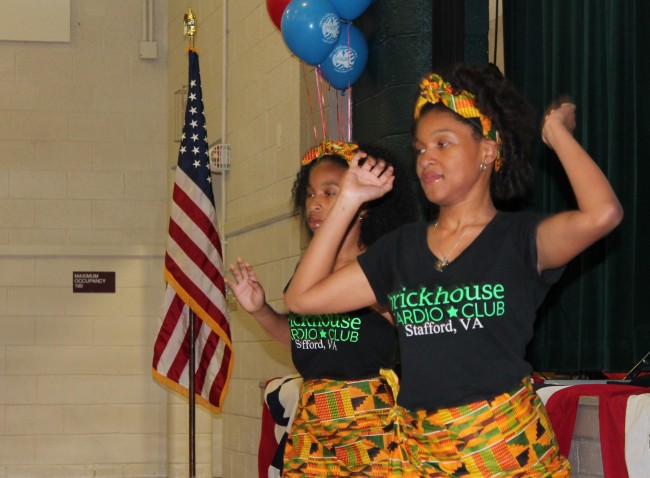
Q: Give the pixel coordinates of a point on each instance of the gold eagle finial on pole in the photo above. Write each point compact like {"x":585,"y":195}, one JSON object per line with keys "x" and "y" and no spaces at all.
{"x":189,"y":25}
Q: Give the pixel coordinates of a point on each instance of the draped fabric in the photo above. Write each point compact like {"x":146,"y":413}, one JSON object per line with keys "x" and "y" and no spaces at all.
{"x":595,"y":51}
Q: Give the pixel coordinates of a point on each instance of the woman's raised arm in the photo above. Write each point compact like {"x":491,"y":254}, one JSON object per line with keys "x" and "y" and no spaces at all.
{"x":563,"y":236}
{"x":316,"y":287}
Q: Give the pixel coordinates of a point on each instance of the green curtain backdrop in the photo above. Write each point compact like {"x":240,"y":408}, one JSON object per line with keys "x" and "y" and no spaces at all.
{"x":596,"y":52}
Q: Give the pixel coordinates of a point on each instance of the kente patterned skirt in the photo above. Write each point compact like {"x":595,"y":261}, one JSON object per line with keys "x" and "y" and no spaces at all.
{"x":342,"y":429}
{"x":507,"y":436}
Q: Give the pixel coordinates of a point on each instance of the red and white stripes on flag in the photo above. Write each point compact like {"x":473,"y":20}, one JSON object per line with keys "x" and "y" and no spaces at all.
{"x":194,"y":271}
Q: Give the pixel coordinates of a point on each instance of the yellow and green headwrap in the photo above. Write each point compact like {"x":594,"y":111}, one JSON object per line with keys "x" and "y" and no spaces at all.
{"x":433,"y":89}
{"x":331,"y":147}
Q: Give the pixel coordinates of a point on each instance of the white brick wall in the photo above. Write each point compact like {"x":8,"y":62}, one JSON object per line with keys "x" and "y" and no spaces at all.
{"x":86,"y":148}
{"x":84,"y":131}
{"x":75,"y":385}
{"x":83,"y":186}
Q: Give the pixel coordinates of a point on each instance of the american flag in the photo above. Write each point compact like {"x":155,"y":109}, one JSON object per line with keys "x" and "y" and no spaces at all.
{"x":194,"y":271}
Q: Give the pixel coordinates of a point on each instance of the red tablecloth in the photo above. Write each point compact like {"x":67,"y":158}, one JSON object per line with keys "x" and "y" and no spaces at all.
{"x":562,"y":408}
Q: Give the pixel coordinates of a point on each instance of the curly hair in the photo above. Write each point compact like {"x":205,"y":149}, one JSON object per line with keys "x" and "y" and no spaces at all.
{"x":511,"y":115}
{"x":382,"y":215}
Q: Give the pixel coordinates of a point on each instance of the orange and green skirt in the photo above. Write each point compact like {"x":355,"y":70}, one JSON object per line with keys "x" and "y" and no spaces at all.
{"x":342,"y":429}
{"x":507,"y":436}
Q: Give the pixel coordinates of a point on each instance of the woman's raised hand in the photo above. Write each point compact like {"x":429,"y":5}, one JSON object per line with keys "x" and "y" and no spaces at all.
{"x":370,"y":180}
{"x":562,"y":116}
{"x":247,"y":289}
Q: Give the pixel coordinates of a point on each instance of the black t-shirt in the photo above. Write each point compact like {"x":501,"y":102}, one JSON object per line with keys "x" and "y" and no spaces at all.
{"x":346,"y":346}
{"x":463,"y":331}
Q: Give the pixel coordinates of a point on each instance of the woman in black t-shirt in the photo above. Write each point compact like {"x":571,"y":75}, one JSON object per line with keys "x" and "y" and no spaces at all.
{"x":344,"y":404}
{"x":463,"y":289}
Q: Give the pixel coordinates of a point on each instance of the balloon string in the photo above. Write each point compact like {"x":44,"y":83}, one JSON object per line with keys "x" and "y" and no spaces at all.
{"x":349,"y":95}
{"x":321,"y":101}
{"x":349,"y":50}
{"x":349,"y":114}
{"x":324,"y":118}
{"x":338,"y":119}
{"x":340,"y":116}
{"x":311,"y":107}
{"x":341,"y":106}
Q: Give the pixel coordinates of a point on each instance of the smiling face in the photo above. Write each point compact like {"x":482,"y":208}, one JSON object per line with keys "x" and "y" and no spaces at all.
{"x":449,"y":155}
{"x":324,"y":180}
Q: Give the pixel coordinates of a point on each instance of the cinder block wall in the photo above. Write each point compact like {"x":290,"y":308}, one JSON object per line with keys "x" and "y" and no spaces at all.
{"x":83,"y":187}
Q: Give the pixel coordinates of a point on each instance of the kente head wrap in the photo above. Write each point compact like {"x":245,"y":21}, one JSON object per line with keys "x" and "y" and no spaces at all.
{"x":330,"y":147}
{"x":433,"y":89}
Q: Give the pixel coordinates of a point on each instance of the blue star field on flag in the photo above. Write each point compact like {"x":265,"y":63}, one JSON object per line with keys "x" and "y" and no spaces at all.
{"x":193,"y":156}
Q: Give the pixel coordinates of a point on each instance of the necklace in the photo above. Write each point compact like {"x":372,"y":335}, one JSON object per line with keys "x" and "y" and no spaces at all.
{"x":441,"y":264}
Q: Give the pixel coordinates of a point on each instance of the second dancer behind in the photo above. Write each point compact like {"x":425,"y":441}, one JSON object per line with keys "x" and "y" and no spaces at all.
{"x":344,"y":403}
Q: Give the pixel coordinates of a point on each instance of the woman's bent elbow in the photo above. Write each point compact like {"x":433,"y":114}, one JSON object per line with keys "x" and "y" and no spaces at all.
{"x":612,"y":217}
{"x":293,"y":303}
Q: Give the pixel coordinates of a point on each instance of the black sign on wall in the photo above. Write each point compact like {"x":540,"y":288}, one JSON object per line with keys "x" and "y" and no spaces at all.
{"x":92,"y":281}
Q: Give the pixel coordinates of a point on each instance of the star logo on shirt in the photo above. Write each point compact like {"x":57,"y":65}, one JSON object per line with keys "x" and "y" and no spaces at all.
{"x":452,"y":311}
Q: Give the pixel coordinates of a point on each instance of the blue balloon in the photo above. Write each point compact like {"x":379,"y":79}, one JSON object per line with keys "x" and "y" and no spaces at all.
{"x":310,"y":29}
{"x":346,"y":61}
{"x":350,"y":9}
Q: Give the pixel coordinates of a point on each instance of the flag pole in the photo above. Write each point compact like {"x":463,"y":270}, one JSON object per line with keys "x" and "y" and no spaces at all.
{"x":193,"y":352}
{"x":192,"y":404}
{"x":189,"y":30}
